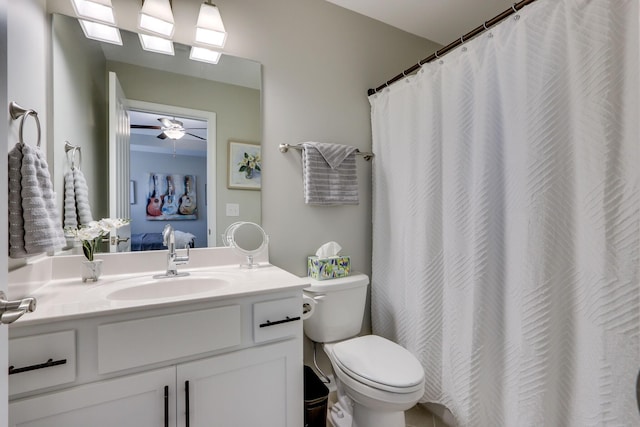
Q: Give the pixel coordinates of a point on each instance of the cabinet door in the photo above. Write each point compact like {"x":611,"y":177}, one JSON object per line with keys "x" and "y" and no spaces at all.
{"x":135,"y":400}
{"x":259,"y":386}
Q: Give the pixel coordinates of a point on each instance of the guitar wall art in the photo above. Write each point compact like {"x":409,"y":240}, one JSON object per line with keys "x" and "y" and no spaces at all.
{"x":171,"y":197}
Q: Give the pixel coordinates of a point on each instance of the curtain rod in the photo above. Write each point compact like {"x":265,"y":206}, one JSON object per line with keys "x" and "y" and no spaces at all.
{"x":476,"y":31}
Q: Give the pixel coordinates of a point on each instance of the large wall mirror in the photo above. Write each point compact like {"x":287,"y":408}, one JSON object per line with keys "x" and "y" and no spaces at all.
{"x":217,"y":106}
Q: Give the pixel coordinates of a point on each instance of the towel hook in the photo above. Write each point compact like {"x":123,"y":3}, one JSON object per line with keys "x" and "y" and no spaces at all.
{"x":16,"y":111}
{"x":73,"y":148}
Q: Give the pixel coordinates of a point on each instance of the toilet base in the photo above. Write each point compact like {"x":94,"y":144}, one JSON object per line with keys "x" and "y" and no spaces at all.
{"x":338,"y":417}
{"x":360,"y":416}
{"x":367,"y":417}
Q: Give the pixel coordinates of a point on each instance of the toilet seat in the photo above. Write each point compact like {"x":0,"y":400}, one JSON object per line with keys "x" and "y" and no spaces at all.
{"x":379,"y":363}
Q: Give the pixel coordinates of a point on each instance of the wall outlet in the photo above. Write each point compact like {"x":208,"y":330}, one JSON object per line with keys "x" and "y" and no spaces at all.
{"x":233,"y":209}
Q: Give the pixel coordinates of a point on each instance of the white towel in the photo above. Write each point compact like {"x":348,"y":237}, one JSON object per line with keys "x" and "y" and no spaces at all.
{"x":183,"y":239}
{"x":34,"y":224}
{"x":329,"y":174}
{"x":76,"y":199}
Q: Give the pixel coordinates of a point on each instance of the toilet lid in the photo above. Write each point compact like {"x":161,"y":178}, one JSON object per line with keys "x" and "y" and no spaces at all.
{"x":377,"y":361}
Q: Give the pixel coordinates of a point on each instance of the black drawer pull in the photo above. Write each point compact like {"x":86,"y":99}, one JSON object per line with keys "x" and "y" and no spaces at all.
{"x":278,"y":322}
{"x":49,"y":363}
{"x":186,"y":403}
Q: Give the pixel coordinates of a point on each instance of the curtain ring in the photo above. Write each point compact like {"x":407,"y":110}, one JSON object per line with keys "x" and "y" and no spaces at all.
{"x":485,"y":26}
{"x":462,"y":39}
{"x":514,"y":8}
{"x":436,"y":54}
{"x":24,"y":117}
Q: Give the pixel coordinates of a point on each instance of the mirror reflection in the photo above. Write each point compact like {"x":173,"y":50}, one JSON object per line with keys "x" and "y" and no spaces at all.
{"x":162,"y":97}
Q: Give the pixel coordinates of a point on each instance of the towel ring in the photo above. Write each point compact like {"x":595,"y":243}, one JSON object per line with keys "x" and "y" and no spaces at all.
{"x":35,"y":116}
{"x":16,"y":112}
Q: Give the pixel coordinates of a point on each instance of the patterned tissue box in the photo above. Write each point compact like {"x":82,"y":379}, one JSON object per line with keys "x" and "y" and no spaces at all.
{"x":328,"y":268}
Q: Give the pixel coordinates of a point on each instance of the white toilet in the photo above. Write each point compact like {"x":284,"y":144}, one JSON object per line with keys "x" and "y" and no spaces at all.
{"x":377,"y":379}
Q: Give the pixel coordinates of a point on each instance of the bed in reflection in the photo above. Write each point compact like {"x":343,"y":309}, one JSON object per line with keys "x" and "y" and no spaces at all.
{"x":153,"y":241}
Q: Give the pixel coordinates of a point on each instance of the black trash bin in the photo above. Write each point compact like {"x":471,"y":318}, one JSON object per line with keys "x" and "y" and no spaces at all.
{"x":316,"y":397}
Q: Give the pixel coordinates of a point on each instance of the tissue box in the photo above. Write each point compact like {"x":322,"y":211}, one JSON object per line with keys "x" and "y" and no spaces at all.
{"x":328,"y":268}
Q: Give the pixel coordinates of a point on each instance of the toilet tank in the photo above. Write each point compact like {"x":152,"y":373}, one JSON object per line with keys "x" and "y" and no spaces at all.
{"x":339,"y":308}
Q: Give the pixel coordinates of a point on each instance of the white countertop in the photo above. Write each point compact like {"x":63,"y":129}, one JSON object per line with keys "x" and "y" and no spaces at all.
{"x":68,"y":297}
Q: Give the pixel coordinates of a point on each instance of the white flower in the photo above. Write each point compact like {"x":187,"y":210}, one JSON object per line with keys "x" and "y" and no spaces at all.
{"x":110,"y":223}
{"x":91,"y":234}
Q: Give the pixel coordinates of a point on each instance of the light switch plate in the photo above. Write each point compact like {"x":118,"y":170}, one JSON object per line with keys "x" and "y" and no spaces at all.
{"x":233,"y":209}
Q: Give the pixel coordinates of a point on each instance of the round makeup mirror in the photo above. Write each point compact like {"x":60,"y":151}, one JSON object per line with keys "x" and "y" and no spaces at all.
{"x":247,"y":238}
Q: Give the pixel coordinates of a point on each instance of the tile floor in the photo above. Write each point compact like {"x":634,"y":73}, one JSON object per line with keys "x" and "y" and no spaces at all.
{"x":418,"y":416}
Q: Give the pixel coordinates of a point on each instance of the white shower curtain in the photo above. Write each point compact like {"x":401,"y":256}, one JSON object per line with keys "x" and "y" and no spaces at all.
{"x":506,"y":223}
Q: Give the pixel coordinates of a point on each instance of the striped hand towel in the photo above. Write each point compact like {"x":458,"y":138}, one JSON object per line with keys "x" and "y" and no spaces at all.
{"x":70,"y":214}
{"x":76,"y":199}
{"x":34,"y":223}
{"x":329,"y":174}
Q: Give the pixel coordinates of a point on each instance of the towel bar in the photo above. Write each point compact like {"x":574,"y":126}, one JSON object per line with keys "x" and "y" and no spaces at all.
{"x":285,"y":147}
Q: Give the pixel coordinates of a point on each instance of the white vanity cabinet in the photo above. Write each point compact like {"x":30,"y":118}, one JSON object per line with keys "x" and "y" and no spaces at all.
{"x":132,"y":400}
{"x":232,"y":362}
{"x":252,"y":387}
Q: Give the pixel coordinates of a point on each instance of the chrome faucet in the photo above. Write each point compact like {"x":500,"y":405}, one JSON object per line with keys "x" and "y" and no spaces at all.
{"x":173,"y":260}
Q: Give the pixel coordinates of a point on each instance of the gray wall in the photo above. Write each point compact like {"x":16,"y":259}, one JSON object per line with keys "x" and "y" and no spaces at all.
{"x":318,"y":62}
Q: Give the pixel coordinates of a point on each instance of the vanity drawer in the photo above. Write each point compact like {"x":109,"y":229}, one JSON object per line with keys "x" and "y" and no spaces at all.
{"x":277,"y":319}
{"x":41,"y":361}
{"x":140,"y":342}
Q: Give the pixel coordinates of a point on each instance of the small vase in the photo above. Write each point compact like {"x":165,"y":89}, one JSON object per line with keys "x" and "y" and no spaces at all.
{"x":248,"y":173}
{"x":91,"y":270}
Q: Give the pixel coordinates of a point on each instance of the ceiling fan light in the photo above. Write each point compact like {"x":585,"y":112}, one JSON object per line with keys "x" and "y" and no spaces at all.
{"x":174,"y":133}
{"x":156,"y":44}
{"x":156,"y":17}
{"x":100,"y":32}
{"x":204,"y":55}
{"x":95,"y":10}
{"x":209,"y":27}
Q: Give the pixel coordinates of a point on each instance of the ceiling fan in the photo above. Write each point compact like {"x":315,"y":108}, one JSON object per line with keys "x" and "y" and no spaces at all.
{"x":170,"y":128}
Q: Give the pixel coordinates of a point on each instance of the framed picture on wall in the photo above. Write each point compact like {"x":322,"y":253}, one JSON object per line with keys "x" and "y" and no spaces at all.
{"x":171,"y":197}
{"x":244,"y":169}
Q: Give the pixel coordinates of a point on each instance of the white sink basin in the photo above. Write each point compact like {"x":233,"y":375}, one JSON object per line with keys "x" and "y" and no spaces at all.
{"x":145,"y":288}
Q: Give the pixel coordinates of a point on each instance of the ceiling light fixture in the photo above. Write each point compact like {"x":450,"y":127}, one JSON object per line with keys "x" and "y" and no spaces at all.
{"x":204,"y":55}
{"x":209,"y":28}
{"x":156,"y":17}
{"x":95,"y":10}
{"x":174,"y":133}
{"x":100,"y":32}
{"x":156,"y":44}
